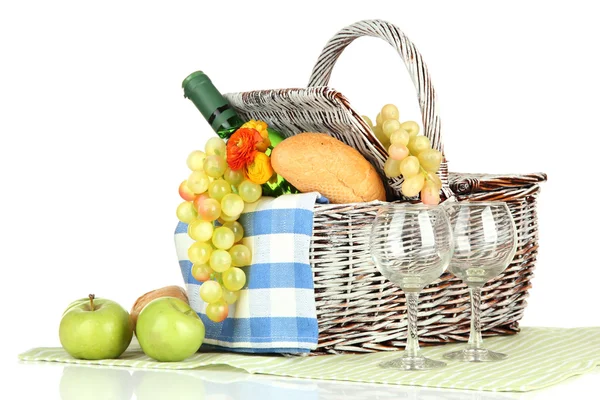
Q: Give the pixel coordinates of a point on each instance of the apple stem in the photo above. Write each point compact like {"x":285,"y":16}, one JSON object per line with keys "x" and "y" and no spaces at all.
{"x":92,"y":297}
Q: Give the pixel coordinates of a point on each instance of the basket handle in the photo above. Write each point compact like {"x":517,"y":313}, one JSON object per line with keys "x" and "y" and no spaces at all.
{"x":412,"y":59}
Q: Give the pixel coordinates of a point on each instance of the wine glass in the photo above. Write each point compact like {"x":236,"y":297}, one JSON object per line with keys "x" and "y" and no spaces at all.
{"x":411,"y":245}
{"x":485,"y":242}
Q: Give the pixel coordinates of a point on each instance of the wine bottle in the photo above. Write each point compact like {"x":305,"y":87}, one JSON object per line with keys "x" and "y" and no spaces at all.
{"x":224,"y":120}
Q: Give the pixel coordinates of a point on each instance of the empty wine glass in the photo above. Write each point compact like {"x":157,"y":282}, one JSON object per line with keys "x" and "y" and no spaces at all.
{"x":411,"y":245}
{"x":485,"y":242}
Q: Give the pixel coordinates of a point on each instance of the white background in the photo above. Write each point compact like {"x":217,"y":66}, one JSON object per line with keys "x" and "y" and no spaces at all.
{"x":94,"y":129}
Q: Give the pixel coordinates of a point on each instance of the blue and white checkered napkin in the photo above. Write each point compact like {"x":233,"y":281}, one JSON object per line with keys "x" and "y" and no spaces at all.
{"x":276,"y":310}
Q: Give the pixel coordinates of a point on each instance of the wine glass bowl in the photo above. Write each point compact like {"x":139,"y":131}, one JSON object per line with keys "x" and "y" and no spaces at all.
{"x":411,"y":245}
{"x":485,"y":242}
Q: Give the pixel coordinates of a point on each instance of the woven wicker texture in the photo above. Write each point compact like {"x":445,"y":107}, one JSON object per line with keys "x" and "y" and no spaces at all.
{"x":358,"y":310}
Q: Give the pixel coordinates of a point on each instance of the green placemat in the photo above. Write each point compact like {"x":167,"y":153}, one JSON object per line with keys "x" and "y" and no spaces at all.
{"x":538,"y":357}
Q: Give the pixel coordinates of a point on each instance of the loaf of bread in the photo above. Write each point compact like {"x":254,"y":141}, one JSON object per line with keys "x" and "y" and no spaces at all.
{"x":318,"y":162}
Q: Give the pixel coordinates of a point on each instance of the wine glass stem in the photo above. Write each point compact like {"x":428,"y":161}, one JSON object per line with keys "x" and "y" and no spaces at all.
{"x":475,"y":339}
{"x":412,"y":341}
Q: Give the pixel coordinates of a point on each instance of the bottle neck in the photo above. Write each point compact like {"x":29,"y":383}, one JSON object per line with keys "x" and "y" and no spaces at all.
{"x":226,"y":128}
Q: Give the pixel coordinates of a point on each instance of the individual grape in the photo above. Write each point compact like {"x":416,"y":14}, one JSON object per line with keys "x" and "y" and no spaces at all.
{"x":400,"y":137}
{"x":433,"y":178}
{"x":230,"y":297}
{"x":218,"y":188}
{"x":430,"y":194}
{"x":233,"y":176}
{"x":185,"y":192}
{"x":199,"y":199}
{"x":195,"y":160}
{"x":215,"y":146}
{"x":186,"y":212}
{"x":209,"y":209}
{"x":390,"y":126}
{"x":249,"y":191}
{"x":237,"y":229}
{"x":217,"y":312}
{"x":201,"y":272}
{"x":368,"y":121}
{"x":226,"y":218}
{"x":398,"y":152}
{"x":379,"y":119}
{"x":409,"y":167}
{"x":240,"y":255}
{"x":223,"y":238}
{"x":234,"y":279}
{"x":199,"y":252}
{"x":390,"y":111}
{"x":392,"y":168}
{"x":232,"y":204}
{"x":430,"y":159}
{"x":417,"y":144}
{"x":215,"y":166}
{"x":211,"y":292}
{"x":198,"y":182}
{"x":220,"y":260}
{"x":411,"y":127}
{"x":200,"y":230}
{"x":413,"y":185}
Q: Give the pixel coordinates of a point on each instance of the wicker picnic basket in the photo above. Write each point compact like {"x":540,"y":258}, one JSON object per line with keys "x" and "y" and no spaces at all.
{"x":358,"y":310}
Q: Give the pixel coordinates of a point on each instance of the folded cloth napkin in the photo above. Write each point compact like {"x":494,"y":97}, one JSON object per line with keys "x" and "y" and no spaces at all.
{"x":276,"y":311}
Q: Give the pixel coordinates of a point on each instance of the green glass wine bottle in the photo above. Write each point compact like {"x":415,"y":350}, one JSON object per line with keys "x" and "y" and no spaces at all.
{"x":224,"y":120}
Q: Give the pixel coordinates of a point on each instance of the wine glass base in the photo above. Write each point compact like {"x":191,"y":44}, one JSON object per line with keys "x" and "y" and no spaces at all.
{"x":412,"y":364}
{"x":475,"y":355}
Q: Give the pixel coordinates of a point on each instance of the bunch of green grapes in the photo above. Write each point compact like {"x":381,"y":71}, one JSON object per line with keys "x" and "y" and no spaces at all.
{"x":410,"y":155}
{"x":215,"y":193}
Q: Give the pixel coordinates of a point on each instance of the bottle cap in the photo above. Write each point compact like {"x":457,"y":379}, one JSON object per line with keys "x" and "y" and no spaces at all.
{"x":193,"y":76}
{"x":200,"y":90}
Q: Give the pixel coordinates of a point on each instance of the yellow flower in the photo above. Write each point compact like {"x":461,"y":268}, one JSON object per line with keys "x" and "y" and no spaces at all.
{"x":261,"y":127}
{"x":260,"y":170}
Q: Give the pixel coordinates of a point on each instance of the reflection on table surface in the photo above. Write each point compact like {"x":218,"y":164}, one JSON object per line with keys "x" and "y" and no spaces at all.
{"x":224,"y":383}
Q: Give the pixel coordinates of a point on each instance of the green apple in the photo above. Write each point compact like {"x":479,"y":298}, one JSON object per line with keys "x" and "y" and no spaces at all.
{"x":95,"y":329}
{"x":169,"y":330}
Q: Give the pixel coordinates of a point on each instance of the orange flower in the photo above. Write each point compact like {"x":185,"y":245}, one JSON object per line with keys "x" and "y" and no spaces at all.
{"x":261,"y":127}
{"x":260,"y":170}
{"x":241,"y":147}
